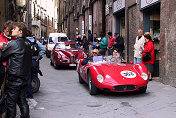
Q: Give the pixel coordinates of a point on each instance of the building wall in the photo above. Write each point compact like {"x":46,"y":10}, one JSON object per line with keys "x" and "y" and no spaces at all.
{"x":168,"y":42}
{"x":2,"y":13}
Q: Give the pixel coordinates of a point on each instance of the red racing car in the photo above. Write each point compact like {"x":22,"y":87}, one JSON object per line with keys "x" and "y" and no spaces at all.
{"x":113,"y":76}
{"x":66,"y":54}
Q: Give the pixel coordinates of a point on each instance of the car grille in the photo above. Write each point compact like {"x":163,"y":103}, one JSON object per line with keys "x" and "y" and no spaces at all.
{"x":72,"y":58}
{"x":125,"y":87}
{"x":65,"y":61}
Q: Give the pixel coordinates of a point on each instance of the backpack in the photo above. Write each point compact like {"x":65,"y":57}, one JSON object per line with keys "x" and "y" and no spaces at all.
{"x":34,"y":47}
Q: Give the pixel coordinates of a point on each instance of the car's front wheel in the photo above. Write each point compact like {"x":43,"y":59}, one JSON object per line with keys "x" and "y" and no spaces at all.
{"x":55,"y":65}
{"x":51,"y":63}
{"x":143,"y":89}
{"x":92,"y":88}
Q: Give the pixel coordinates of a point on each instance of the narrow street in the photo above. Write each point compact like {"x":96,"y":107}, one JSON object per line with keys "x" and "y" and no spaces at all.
{"x":61,"y":96}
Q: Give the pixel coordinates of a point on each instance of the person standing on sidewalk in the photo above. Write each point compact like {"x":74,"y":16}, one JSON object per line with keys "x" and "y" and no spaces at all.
{"x":5,"y":34}
{"x":90,"y":40}
{"x":138,"y":47}
{"x":119,"y":43}
{"x":103,"y":44}
{"x":85,"y":44}
{"x":36,"y":56}
{"x":4,"y":39}
{"x":19,"y":57}
{"x":149,"y":48}
{"x":110,"y":42}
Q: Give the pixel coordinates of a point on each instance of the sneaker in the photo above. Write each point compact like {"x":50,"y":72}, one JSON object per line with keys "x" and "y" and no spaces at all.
{"x":32,"y":102}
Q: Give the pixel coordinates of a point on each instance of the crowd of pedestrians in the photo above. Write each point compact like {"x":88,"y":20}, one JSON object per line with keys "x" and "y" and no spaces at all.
{"x":105,"y":46}
{"x":17,"y":61}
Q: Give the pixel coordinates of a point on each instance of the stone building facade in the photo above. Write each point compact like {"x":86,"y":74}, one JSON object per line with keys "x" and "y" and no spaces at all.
{"x":127,"y":16}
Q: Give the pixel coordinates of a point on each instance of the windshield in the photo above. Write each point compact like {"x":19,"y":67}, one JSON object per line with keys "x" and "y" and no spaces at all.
{"x":66,"y":46}
{"x":62,"y":39}
{"x":103,"y":59}
{"x":53,"y":40}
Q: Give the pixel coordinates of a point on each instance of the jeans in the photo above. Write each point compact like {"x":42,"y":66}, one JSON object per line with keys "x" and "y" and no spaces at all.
{"x":137,"y":60}
{"x":32,"y":75}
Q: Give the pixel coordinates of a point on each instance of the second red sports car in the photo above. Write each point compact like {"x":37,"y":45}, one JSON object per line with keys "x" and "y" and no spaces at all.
{"x":66,"y":54}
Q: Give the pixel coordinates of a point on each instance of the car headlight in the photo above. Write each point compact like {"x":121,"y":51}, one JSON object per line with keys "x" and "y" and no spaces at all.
{"x":144,"y":76}
{"x":59,"y":56}
{"x":100,"y":78}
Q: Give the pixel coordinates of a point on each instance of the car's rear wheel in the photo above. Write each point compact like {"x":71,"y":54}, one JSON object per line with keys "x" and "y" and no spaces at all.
{"x":92,"y":88}
{"x":81,"y":81}
{"x":143,"y":89}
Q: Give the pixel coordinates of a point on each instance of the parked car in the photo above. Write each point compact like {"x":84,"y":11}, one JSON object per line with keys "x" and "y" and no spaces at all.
{"x":66,"y":54}
{"x":53,"y":39}
{"x":112,"y":76}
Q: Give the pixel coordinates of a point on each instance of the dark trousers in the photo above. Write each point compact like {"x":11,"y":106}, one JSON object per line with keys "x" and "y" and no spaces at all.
{"x":32,"y":75}
{"x":110,"y":51}
{"x":16,"y":94}
{"x":102,"y":51}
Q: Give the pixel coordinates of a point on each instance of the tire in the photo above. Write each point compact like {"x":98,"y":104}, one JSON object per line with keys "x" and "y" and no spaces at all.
{"x":51,"y":63}
{"x":55,"y":65}
{"x":92,"y":88}
{"x":143,"y":89}
{"x":81,"y":81}
{"x":35,"y":84}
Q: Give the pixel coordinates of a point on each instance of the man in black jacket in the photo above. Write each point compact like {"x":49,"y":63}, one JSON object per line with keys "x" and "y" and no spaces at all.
{"x":19,"y":58}
{"x":119,"y":43}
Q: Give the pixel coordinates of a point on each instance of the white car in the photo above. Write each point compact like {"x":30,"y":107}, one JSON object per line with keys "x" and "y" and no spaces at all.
{"x":53,"y":39}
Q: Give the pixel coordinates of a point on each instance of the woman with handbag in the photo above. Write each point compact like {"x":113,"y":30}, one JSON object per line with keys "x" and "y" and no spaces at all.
{"x":148,"y":56}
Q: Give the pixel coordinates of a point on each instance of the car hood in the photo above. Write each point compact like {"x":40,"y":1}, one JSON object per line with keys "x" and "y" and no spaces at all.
{"x":69,"y":52}
{"x":118,"y":73}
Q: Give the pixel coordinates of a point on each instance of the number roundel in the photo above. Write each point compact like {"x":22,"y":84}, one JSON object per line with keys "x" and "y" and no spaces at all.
{"x":128,"y":74}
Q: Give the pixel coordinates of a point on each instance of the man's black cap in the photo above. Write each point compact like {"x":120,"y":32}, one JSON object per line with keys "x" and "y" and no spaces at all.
{"x":116,"y":33}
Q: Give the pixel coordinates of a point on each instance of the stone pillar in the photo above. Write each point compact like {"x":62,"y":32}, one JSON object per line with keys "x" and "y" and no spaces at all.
{"x":168,"y":42}
{"x":97,"y":17}
{"x":133,"y":22}
{"x":72,"y":27}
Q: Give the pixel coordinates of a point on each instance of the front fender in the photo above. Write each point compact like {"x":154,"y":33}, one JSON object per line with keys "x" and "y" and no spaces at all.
{"x":140,"y":68}
{"x":95,"y":71}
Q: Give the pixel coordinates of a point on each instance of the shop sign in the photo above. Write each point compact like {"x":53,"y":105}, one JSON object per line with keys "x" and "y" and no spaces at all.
{"x":147,"y":3}
{"x":90,"y":23}
{"x":107,"y":9}
{"x":118,"y":5}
